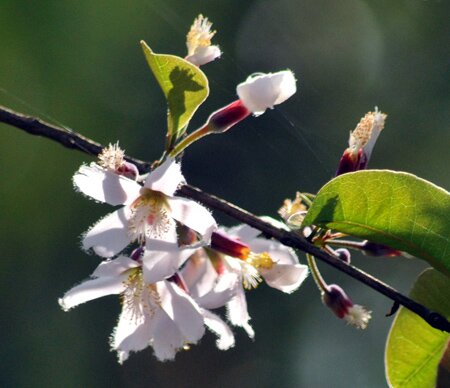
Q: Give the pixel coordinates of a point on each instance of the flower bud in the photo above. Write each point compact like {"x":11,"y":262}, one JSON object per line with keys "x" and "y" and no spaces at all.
{"x":373,"y":249}
{"x":262,"y":91}
{"x":227,"y":245}
{"x":361,"y":142}
{"x":223,"y":119}
{"x":342,"y":306}
{"x":343,"y":254}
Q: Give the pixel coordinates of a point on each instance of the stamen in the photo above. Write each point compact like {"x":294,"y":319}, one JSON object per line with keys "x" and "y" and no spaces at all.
{"x":150,"y":217}
{"x":138,"y":298}
{"x":260,"y":260}
{"x":250,"y":276}
{"x":199,"y":35}
{"x":111,"y":157}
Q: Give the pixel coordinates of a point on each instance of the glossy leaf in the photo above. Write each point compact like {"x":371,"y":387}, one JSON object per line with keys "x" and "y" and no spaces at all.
{"x":392,"y":208}
{"x":414,"y":349}
{"x":184,"y":85}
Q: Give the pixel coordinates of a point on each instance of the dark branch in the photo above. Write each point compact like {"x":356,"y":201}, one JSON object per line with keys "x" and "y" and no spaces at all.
{"x":74,"y":140}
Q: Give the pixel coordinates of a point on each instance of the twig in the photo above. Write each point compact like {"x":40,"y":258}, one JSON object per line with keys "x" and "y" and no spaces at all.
{"x":74,"y":140}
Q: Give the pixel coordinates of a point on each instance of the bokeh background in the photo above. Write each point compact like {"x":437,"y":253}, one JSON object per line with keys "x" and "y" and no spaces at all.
{"x":79,"y":64}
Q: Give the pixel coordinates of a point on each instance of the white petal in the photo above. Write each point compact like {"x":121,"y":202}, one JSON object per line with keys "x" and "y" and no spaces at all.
{"x":204,"y":55}
{"x":182,"y":310}
{"x":105,"y":186}
{"x":285,"y":277}
{"x":264,"y":91}
{"x":219,"y":327}
{"x":277,"y":251}
{"x":132,"y":333}
{"x":165,"y":178}
{"x":167,"y":337}
{"x":162,"y":259}
{"x":193,"y":215}
{"x":244,"y":232}
{"x":109,"y":235}
{"x":92,"y":289}
{"x":114,"y":267}
{"x":223,"y":291}
{"x":237,"y":311}
{"x":199,"y":274}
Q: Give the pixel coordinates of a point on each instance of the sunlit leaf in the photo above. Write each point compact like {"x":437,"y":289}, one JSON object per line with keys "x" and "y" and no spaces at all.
{"x":184,"y":85}
{"x":391,"y":208}
{"x":414,"y":349}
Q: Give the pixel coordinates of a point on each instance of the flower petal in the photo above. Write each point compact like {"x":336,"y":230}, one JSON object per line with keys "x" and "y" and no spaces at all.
{"x":277,"y":251}
{"x":204,"y":55}
{"x":285,"y":277}
{"x":165,"y":178}
{"x":219,"y":327}
{"x":167,"y":337}
{"x":237,"y":311}
{"x":132,"y":333}
{"x":264,"y":91}
{"x":199,"y":274}
{"x":92,"y":289}
{"x":224,"y":290}
{"x":244,"y":232}
{"x":114,"y":267}
{"x":109,"y":235}
{"x":193,"y":215}
{"x":162,"y":259}
{"x":182,"y":310}
{"x":105,"y":186}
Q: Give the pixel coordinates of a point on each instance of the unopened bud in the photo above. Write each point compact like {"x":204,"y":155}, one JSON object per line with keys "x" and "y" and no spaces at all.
{"x":227,"y":245}
{"x":343,"y":254}
{"x":223,"y":119}
{"x":373,"y":249}
{"x":342,"y":306}
{"x":262,"y":91}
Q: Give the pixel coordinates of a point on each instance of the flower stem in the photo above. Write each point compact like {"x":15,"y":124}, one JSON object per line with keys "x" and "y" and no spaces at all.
{"x":188,"y":140}
{"x":318,"y":279}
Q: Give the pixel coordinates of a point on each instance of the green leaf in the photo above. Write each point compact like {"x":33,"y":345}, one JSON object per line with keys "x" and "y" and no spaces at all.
{"x":414,"y":349}
{"x":392,"y":208}
{"x":184,"y":85}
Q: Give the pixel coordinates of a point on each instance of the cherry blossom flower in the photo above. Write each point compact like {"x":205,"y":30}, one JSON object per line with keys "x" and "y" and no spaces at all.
{"x":198,"y":42}
{"x":160,"y":315}
{"x":149,"y":212}
{"x":361,"y":142}
{"x":210,"y":291}
{"x":252,"y":259}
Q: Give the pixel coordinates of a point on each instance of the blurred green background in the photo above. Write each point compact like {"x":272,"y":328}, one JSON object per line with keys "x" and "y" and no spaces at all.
{"x":79,"y":64}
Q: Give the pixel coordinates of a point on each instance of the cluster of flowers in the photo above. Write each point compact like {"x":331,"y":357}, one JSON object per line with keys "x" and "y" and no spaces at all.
{"x":165,"y":255}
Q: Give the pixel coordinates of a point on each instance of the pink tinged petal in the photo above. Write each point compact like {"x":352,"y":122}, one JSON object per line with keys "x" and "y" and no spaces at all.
{"x":237,"y":311}
{"x":114,"y":267}
{"x":182,"y":310}
{"x":225,"y":338}
{"x":223,"y":291}
{"x":165,"y":178}
{"x":199,"y":274}
{"x":193,"y":215}
{"x":110,"y":235}
{"x":105,"y":186}
{"x":162,"y":259}
{"x":285,"y":277}
{"x":264,"y":91}
{"x":92,"y":289}
{"x":279,"y":253}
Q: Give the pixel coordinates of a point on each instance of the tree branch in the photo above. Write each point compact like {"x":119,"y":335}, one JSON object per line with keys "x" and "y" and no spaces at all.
{"x":73,"y":140}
